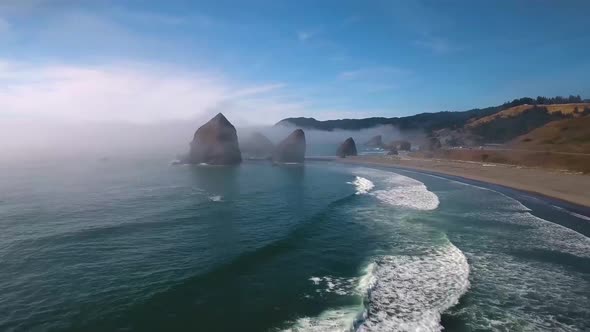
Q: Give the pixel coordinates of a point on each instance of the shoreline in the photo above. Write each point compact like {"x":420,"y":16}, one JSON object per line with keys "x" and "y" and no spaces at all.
{"x":566,"y":189}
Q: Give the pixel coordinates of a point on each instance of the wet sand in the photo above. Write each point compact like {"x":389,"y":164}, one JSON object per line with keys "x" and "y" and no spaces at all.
{"x":566,"y":186}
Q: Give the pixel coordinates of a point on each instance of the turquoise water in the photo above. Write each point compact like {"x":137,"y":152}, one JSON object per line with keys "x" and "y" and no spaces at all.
{"x":136,"y":244}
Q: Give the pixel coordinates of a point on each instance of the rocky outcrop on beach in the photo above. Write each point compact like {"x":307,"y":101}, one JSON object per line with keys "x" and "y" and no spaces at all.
{"x":215,"y":143}
{"x":257,"y":146}
{"x":291,"y":149}
{"x":375,"y":142}
{"x":347,"y":148}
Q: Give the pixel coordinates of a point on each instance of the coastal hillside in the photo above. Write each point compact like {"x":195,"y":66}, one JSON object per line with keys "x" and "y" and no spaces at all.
{"x":569,"y":135}
{"x":498,"y":124}
{"x":574,"y":109}
{"x":510,"y":123}
{"x":426,"y":121}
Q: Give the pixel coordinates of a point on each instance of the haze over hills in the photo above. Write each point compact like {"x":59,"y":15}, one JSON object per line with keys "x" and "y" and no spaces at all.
{"x":497,"y":124}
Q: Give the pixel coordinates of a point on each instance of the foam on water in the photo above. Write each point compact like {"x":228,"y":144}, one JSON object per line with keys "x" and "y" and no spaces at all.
{"x":344,"y":286}
{"x":513,"y":201}
{"x":362,"y":185}
{"x":403,"y":293}
{"x":577,"y":215}
{"x":401,"y":191}
{"x":335,"y":320}
{"x":409,"y":293}
{"x":540,"y":233}
{"x":523,"y":277}
{"x":341,"y":319}
{"x":215,"y":198}
{"x":532,"y":289}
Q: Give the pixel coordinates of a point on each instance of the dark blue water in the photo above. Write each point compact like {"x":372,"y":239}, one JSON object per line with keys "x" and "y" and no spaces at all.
{"x":136,"y":244}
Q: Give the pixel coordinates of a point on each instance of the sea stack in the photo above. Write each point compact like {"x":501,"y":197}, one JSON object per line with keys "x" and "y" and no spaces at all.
{"x":257,"y":146}
{"x":215,"y":143}
{"x":375,"y":142}
{"x":347,"y":148}
{"x":291,"y":149}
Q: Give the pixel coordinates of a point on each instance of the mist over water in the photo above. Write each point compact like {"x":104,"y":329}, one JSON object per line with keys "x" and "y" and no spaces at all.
{"x":38,"y":140}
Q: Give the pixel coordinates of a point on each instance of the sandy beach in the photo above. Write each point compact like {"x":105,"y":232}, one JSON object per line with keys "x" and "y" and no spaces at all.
{"x":566,"y":186}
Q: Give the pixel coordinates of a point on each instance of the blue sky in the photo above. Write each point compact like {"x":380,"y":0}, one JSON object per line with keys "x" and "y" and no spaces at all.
{"x":260,"y":61}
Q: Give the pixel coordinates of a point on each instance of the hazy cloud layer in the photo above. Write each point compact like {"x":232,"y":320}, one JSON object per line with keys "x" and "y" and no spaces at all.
{"x":131,"y":92}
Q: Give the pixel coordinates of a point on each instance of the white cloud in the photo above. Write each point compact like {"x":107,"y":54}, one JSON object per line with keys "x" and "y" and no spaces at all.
{"x":130,"y":92}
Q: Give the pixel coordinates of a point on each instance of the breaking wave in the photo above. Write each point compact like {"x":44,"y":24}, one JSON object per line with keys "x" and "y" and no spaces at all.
{"x":396,"y":292}
{"x":335,"y":320}
{"x":403,"y":293}
{"x":409,"y":293}
{"x":401,"y":191}
{"x":343,"y":319}
{"x":362,"y":185}
{"x":215,"y":198}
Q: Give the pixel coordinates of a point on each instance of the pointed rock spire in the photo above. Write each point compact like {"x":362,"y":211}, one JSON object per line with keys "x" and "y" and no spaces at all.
{"x":291,"y":149}
{"x":215,"y":143}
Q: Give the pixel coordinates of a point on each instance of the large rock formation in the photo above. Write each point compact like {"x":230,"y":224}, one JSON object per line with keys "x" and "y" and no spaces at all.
{"x":347,"y":148}
{"x":257,"y":146}
{"x":375,"y":142}
{"x":291,"y":149}
{"x":215,"y":143}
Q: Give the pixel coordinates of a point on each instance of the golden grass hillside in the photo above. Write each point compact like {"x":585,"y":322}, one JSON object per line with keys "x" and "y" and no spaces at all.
{"x":566,"y":109}
{"x":569,"y":135}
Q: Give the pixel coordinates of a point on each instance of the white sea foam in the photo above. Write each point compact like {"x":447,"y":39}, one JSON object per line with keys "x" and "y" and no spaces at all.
{"x":404,"y":293}
{"x":411,"y":292}
{"x":335,"y":320}
{"x":336,"y":285}
{"x":215,"y":198}
{"x":341,"y":319}
{"x":577,"y":215}
{"x":362,"y":185}
{"x":401,"y":191}
{"x":514,"y":201}
{"x":533,"y":289}
{"x":544,"y":234}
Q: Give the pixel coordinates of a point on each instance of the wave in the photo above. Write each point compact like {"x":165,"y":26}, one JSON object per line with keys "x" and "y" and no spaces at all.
{"x":216,"y":198}
{"x":362,"y":185}
{"x":403,"y":293}
{"x":402,"y":191}
{"x":335,"y":320}
{"x":577,"y":215}
{"x":345,"y":286}
{"x":343,"y":319}
{"x":409,"y":293}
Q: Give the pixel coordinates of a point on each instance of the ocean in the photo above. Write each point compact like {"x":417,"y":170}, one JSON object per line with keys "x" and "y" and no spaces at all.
{"x":138,"y":244}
